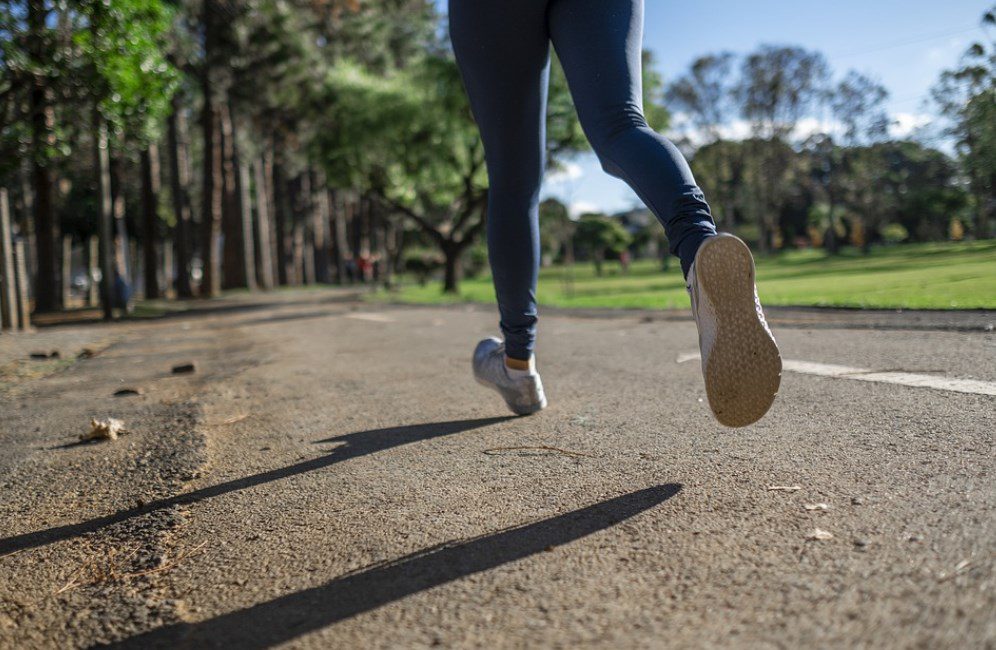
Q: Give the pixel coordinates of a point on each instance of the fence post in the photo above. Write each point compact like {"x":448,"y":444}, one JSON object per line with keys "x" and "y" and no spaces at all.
{"x":8,"y":283}
{"x":21,"y":272}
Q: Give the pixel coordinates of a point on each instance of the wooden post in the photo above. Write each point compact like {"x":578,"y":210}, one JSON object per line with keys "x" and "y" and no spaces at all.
{"x":8,"y":281}
{"x":21,"y":271}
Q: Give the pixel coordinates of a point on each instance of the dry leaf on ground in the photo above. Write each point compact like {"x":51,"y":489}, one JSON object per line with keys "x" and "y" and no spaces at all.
{"x":819,"y":535}
{"x":106,"y":429}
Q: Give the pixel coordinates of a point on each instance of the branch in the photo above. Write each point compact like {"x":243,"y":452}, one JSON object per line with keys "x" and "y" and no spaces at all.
{"x":475,"y":230}
{"x":408,"y":212}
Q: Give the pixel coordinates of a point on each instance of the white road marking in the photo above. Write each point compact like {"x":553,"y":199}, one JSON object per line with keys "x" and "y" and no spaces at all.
{"x":373,"y":318}
{"x":955,"y":385}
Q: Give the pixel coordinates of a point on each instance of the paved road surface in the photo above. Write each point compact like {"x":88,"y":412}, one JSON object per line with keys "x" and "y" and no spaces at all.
{"x":330,"y":477}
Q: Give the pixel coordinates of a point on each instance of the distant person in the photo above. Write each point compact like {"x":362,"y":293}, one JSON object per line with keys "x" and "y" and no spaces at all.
{"x":503,"y":50}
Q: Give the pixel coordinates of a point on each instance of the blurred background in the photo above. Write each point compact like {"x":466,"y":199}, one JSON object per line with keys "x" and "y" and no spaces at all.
{"x":157,"y":150}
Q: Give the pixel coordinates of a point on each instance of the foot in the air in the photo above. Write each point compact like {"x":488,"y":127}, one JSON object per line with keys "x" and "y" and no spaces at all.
{"x":740,"y":359}
{"x":522,"y":390}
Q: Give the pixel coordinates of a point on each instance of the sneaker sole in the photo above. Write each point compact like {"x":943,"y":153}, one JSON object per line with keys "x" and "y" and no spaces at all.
{"x":744,"y":368}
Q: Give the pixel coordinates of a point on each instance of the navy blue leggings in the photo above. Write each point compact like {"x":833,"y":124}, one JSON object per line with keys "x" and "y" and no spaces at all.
{"x":503,"y":50}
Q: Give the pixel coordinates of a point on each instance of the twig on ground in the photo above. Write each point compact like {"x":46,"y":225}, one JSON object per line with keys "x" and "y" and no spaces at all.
{"x":574,"y":454}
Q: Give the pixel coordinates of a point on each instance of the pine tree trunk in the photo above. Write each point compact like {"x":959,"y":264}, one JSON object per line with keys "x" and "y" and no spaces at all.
{"x":263,"y":227}
{"x":341,"y":242}
{"x":212,"y":201}
{"x":150,"y":219}
{"x":66,"y":271}
{"x":122,"y":246}
{"x":8,"y":280}
{"x":320,"y":227}
{"x":245,"y":219}
{"x":281,"y":219}
{"x":212,"y":186}
{"x":42,"y":122}
{"x":304,"y":253}
{"x":92,"y":266}
{"x":233,"y":254}
{"x":105,"y":216}
{"x":180,"y":183}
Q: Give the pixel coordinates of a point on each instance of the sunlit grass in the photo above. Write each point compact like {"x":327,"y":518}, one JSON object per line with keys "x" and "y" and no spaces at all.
{"x":913,"y":276}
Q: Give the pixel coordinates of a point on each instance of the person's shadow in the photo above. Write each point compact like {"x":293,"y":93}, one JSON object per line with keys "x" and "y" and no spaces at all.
{"x":288,"y":617}
{"x":354,"y":445}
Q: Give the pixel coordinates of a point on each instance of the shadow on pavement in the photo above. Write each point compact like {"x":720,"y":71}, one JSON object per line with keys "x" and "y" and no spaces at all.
{"x":355,"y":445}
{"x":288,"y":617}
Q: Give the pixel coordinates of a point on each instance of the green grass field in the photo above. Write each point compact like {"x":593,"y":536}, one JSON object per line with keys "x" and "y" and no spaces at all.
{"x":912,"y":276}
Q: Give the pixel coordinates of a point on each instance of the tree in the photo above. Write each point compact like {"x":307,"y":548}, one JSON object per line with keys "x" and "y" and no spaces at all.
{"x":556,"y":231}
{"x":130,"y":82}
{"x":777,"y":86}
{"x":857,"y":104}
{"x":704,"y":94}
{"x":966,"y":96}
{"x":601,"y":237}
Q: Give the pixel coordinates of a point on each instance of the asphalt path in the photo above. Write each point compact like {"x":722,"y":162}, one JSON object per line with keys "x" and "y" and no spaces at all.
{"x":331,"y":476}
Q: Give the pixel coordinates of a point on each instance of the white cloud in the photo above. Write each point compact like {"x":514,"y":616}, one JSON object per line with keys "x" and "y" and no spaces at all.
{"x":568,"y":172}
{"x":577,"y":208}
{"x":902,"y":125}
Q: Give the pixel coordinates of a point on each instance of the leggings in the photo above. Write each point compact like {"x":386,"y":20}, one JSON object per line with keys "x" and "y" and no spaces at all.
{"x":503,"y":50}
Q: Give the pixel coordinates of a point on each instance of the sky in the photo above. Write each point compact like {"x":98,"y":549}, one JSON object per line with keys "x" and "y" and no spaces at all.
{"x":903,"y":44}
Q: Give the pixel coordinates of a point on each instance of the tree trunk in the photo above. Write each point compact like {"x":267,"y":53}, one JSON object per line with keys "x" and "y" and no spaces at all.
{"x":105,"y":217}
{"x":263,"y":227}
{"x":122,"y":247}
{"x":8,"y":280}
{"x":245,"y":219}
{"x":180,"y":182}
{"x":320,"y":227}
{"x":150,"y":219}
{"x":21,"y":273}
{"x":212,"y":201}
{"x":452,"y":273}
{"x":66,"y":269}
{"x":92,"y":268}
{"x":26,"y":207}
{"x":212,"y":185}
{"x":281,"y":218}
{"x":42,"y":123}
{"x":341,"y":242}
{"x":233,"y":254}
{"x":304,"y":251}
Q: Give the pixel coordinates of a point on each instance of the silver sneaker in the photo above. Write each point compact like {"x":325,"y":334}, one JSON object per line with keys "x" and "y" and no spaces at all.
{"x":740,"y":360}
{"x":524,"y":395}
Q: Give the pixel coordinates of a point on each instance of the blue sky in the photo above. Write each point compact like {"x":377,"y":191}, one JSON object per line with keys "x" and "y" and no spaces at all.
{"x":904,"y":44}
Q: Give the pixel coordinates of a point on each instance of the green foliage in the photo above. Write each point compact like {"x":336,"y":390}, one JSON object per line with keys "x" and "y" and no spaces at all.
{"x":601,"y":237}
{"x":124,"y":42}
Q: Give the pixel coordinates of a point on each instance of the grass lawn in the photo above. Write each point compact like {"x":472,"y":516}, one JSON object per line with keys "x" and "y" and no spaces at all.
{"x":912,"y":276}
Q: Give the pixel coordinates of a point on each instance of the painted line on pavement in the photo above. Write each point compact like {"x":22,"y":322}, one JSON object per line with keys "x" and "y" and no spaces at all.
{"x":955,"y":385}
{"x":373,"y":318}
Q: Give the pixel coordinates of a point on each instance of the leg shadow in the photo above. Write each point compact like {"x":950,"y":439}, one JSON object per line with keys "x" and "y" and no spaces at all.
{"x":354,"y":445}
{"x":288,"y":617}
